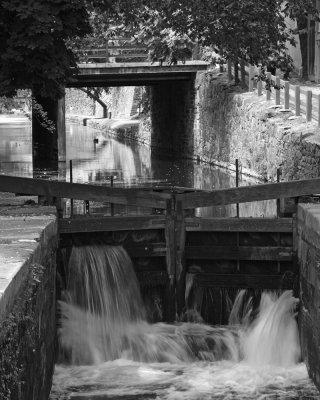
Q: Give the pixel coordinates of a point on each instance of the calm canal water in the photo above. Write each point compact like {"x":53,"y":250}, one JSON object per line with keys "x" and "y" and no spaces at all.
{"x":130,"y":164}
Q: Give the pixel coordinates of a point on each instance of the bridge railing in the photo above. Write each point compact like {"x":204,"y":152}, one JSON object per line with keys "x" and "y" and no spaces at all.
{"x":117,"y":49}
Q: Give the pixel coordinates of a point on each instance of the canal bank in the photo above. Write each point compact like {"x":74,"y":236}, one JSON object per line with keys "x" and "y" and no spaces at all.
{"x":28,"y":245}
{"x":230,"y":124}
{"x":240,"y":125}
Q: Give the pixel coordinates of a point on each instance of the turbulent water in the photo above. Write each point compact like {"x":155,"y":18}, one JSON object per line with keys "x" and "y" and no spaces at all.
{"x":109,"y":351}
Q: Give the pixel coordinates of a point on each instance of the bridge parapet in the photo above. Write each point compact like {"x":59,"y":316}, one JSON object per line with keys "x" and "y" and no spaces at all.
{"x":126,"y":49}
{"x":117,"y":49}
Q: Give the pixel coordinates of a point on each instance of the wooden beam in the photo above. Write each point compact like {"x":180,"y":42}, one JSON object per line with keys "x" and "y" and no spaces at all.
{"x":239,"y":224}
{"x":170,"y":295}
{"x":152,"y":278}
{"x":180,"y":241}
{"x":107,"y":224}
{"x":246,"y":194}
{"x":257,"y":253}
{"x":243,"y":281}
{"x":43,"y":187}
{"x":149,"y":250}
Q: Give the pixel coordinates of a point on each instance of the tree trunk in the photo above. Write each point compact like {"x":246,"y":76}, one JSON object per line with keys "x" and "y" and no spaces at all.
{"x":302,"y":24}
{"x":243,"y":74}
{"x":236,"y":73}
{"x":45,"y":141}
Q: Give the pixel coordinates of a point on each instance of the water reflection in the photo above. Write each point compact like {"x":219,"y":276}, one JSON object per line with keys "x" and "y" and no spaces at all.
{"x":15,"y":145}
{"x":96,"y":158}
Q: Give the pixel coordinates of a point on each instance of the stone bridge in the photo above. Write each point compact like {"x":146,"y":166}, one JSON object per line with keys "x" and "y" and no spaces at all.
{"x":172,"y":105}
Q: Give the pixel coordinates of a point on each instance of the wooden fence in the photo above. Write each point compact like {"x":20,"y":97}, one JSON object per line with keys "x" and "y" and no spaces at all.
{"x":294,"y":97}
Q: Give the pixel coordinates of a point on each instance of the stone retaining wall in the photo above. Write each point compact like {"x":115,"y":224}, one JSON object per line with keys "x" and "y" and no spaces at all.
{"x":78,"y":102}
{"x":231,"y":125}
{"x":28,"y":244}
{"x":309,"y":259}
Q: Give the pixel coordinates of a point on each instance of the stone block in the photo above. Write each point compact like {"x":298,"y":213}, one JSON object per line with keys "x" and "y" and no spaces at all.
{"x":308,"y":238}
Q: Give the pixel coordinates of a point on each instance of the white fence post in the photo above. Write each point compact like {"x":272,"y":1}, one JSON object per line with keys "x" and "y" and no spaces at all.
{"x":287,"y":95}
{"x":269,"y":81}
{"x":278,"y":91}
{"x":259,"y":84}
{"x":309,"y":105}
{"x":297,"y":100}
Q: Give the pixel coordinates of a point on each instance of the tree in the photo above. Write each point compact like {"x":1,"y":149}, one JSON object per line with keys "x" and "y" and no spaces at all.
{"x":253,"y":31}
{"x":33,"y":47}
{"x":95,"y":94}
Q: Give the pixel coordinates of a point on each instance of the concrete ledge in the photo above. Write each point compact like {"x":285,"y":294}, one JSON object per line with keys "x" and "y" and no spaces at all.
{"x":28,"y":246}
{"x":23,"y":240}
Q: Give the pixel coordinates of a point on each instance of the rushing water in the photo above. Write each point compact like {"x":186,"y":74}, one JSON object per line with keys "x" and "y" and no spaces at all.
{"x":109,"y":351}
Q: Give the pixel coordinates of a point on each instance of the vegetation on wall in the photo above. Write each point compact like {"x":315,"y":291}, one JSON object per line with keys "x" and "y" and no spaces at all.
{"x":21,"y":338}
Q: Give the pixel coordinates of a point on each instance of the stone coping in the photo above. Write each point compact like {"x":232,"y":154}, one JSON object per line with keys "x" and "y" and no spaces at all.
{"x":26,"y":229}
{"x":309,"y":222}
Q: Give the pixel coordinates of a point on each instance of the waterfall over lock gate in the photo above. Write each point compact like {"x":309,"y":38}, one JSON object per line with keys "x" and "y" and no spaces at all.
{"x":103,"y":318}
{"x":104,"y":331}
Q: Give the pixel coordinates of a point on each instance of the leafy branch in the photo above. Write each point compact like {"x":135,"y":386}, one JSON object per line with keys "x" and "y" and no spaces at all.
{"x":268,"y":81}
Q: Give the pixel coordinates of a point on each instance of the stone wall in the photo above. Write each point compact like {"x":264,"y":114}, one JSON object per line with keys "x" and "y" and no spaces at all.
{"x":78,"y":103}
{"x":231,"y":125}
{"x":28,"y":244}
{"x":122,"y":101}
{"x":309,"y":260}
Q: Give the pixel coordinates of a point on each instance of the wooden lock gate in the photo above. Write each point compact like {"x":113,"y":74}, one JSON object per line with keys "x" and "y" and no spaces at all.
{"x":167,"y":241}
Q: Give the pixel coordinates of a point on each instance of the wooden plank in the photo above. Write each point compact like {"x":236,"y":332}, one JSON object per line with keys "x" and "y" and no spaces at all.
{"x":309,"y":105}
{"x":170,"y":303}
{"x":277,"y":90}
{"x":243,"y":281}
{"x":43,"y":187}
{"x":117,"y":47}
{"x":105,"y":224}
{"x":239,"y":224}
{"x":297,"y":100}
{"x":149,"y":250}
{"x":180,"y":239}
{"x":246,"y":194}
{"x":239,"y":253}
{"x":140,"y":55}
{"x":268,"y":92}
{"x":152,"y":278}
{"x":286,"y":95}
